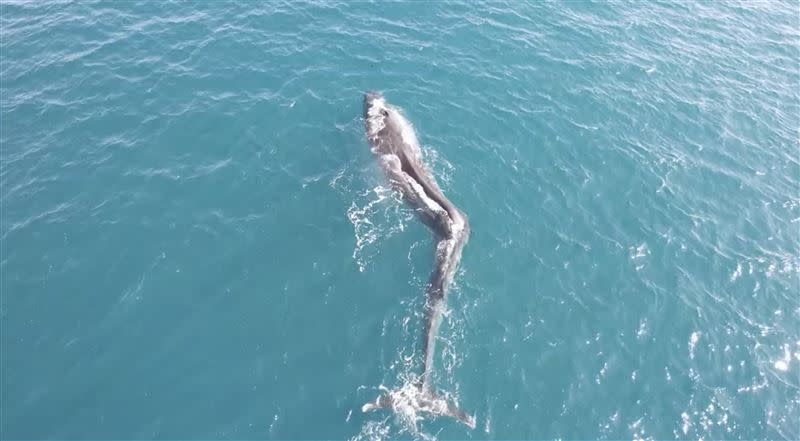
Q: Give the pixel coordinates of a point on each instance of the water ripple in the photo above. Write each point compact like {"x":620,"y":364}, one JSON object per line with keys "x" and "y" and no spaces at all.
{"x":192,"y":179}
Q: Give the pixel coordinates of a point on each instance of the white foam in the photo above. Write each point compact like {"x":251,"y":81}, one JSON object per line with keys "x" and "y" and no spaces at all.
{"x":373,"y":431}
{"x":783,"y":364}
{"x":642,"y":331}
{"x":376,"y":120}
{"x":736,"y":273}
{"x":686,"y":423}
{"x":639,"y":251}
{"x":695,"y":337}
{"x":368,"y":217}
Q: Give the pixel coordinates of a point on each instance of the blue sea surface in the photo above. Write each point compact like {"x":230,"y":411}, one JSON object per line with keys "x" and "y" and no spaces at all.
{"x":198,"y":244}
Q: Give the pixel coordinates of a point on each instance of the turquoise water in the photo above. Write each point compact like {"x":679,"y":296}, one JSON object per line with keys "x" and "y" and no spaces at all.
{"x":197,"y":244}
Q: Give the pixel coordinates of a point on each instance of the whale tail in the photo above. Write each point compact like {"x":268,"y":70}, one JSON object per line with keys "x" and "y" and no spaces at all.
{"x":411,"y":401}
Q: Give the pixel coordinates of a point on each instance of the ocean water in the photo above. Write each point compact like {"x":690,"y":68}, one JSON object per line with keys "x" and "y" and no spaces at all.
{"x":197,"y":243}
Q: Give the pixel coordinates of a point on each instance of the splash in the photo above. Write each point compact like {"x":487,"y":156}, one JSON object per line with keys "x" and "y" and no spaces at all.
{"x":376,"y":118}
{"x":410,"y":404}
{"x":693,"y":339}
{"x":412,"y":408}
{"x":374,"y":431}
{"x":375,"y":215}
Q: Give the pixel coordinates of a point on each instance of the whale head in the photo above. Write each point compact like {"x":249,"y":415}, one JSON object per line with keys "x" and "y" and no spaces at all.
{"x":370,"y":97}
{"x":376,"y":114}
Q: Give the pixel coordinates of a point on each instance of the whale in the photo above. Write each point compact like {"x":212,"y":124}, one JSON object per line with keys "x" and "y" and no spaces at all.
{"x":394,"y":144}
